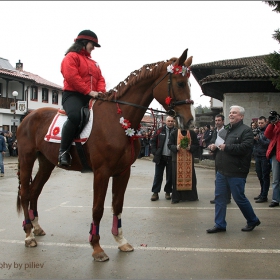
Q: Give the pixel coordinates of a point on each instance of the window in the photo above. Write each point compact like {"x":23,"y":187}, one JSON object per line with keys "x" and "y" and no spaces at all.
{"x":34,"y":93}
{"x":1,"y":89}
{"x":45,"y":95}
{"x":54,"y":97}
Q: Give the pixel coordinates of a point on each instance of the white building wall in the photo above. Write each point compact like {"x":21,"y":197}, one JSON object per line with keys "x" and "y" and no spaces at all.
{"x":6,"y":115}
{"x":32,"y":105}
{"x":215,"y":103}
{"x":256,"y":104}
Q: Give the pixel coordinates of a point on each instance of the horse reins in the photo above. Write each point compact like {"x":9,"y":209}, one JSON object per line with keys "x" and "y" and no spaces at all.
{"x":171,"y":106}
{"x":171,"y":111}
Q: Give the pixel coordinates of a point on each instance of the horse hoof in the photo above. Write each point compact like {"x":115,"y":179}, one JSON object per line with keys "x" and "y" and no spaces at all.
{"x":30,"y":243}
{"x":126,"y":248}
{"x":39,"y":232}
{"x":100,"y":257}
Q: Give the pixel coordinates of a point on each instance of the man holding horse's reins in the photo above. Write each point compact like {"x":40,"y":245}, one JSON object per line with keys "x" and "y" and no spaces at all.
{"x":82,"y":81}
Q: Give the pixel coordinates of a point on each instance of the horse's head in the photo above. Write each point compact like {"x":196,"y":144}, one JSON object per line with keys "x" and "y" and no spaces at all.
{"x":172,"y":90}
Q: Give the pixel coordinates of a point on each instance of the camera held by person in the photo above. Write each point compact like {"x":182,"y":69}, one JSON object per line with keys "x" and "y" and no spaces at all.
{"x":274,"y":117}
{"x":256,"y":131}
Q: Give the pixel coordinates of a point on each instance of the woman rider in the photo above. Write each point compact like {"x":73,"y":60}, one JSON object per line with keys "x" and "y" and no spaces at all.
{"x":82,"y":81}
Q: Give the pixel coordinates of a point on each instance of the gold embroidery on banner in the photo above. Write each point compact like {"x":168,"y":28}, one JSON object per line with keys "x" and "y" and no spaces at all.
{"x":184,"y":166}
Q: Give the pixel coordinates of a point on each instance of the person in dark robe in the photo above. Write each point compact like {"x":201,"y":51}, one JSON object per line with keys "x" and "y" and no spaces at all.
{"x":193,"y":146}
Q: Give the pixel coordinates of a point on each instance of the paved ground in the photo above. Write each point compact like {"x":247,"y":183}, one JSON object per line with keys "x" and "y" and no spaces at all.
{"x":176,"y":245}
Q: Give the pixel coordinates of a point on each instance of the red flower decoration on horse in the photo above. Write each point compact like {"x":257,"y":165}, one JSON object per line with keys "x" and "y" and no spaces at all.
{"x":177,"y":69}
{"x":126,"y":124}
{"x":168,"y":100}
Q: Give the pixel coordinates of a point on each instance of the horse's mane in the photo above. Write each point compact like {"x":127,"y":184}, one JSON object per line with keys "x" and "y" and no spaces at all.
{"x":146,"y":71}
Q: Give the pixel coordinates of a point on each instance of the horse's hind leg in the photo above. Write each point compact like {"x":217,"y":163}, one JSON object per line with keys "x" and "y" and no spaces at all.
{"x":42,"y":176}
{"x":119,"y":187}
{"x":29,"y":195}
{"x":26,"y":163}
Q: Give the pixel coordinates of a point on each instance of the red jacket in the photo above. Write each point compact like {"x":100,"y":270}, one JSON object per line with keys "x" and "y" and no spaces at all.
{"x":272,"y":132}
{"x":81,"y":73}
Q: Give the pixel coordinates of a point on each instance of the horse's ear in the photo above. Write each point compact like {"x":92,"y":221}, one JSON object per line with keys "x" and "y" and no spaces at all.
{"x":188,"y":62}
{"x":183,"y":57}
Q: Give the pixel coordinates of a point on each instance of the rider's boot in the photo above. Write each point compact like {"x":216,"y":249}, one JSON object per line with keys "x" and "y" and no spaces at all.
{"x":67,"y":136}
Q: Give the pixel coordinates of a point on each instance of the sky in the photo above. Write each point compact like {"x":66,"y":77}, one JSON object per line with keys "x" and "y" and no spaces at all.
{"x":135,"y":33}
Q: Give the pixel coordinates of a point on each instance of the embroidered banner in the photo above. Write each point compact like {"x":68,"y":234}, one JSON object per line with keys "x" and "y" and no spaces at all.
{"x":184,"y":165}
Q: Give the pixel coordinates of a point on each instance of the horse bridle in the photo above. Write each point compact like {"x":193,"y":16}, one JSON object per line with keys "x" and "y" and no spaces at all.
{"x":171,"y":112}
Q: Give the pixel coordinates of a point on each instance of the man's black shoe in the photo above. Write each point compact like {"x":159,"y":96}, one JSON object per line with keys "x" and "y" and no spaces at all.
{"x":215,"y":230}
{"x":154,"y":197}
{"x":174,"y":201}
{"x":250,"y":228}
{"x":257,"y":197}
{"x":167,"y":196}
{"x":261,"y":199}
{"x":274,"y":204}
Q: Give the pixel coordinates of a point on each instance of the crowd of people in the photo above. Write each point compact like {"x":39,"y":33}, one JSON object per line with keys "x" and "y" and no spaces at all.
{"x":232,"y":147}
{"x":7,"y":144}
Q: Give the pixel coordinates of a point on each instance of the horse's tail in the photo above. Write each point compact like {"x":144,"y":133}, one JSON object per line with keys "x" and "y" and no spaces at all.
{"x":19,"y":209}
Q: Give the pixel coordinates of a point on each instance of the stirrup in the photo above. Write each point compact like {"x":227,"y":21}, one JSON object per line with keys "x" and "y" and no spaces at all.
{"x":64,"y":159}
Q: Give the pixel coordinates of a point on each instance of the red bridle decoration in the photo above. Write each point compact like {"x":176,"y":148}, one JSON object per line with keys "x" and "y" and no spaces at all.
{"x":168,"y":100}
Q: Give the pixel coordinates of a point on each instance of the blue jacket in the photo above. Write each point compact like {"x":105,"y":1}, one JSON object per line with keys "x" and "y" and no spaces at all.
{"x":2,"y":144}
{"x":207,"y":136}
{"x":261,"y":145}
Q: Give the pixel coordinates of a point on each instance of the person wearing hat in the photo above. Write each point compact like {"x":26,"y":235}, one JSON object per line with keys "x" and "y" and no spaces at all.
{"x":83,"y":80}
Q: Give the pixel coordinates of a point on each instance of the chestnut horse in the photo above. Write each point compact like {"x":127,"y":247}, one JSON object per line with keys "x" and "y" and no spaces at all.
{"x":111,"y":148}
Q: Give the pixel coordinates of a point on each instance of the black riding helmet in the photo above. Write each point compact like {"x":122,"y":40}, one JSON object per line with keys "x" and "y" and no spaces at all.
{"x":88,"y":35}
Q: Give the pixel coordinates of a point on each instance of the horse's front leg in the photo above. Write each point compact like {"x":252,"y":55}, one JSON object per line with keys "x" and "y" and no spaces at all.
{"x":100,"y":188}
{"x":119,"y":187}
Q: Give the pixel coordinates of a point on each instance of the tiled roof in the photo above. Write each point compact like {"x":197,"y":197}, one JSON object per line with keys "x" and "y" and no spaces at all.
{"x":15,"y":73}
{"x":42,"y":81}
{"x":30,"y":77}
{"x":245,"y":68}
{"x":232,"y":63}
{"x":147,"y":119}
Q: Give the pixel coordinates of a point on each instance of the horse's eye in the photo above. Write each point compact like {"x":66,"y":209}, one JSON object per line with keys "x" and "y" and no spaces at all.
{"x":181,"y":84}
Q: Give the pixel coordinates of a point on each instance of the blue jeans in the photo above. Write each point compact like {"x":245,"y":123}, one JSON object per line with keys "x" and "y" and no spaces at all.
{"x":275,"y":179}
{"x":263,"y":168}
{"x":1,"y":163}
{"x":237,"y":188}
{"x":158,"y":178}
{"x":147,"y":151}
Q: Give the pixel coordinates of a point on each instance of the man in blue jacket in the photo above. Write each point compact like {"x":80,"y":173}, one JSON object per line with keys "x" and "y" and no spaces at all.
{"x":233,"y":161}
{"x":2,"y":152}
